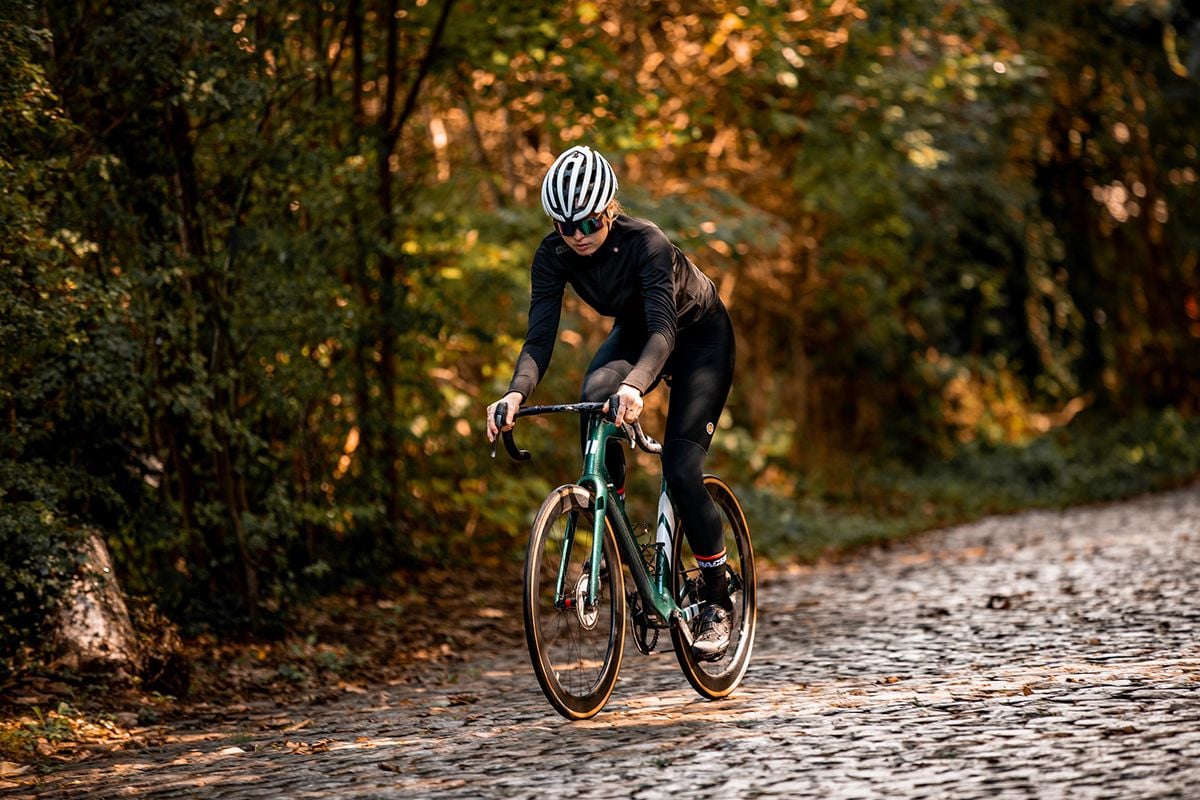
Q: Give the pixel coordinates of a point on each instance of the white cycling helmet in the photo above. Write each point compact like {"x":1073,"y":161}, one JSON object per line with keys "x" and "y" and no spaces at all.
{"x":579,"y":184}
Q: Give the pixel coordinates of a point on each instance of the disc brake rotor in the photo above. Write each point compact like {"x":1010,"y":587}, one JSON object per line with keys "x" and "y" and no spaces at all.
{"x":587,"y":615}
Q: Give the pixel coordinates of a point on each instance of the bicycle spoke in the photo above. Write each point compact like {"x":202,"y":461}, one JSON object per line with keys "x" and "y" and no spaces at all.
{"x":574,"y":644}
{"x":720,"y":677}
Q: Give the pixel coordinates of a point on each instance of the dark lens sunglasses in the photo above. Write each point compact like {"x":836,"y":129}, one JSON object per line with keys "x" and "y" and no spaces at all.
{"x":585,"y":226}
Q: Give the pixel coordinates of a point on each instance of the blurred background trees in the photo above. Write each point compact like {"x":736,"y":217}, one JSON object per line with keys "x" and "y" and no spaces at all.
{"x":266,"y":261}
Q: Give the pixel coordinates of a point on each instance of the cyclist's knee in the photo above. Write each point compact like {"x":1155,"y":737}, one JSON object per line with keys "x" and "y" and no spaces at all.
{"x":683,"y":465}
{"x":599,"y":385}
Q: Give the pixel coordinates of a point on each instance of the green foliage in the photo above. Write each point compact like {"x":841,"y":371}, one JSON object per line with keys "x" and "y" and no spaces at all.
{"x":20,"y":740}
{"x":39,"y":556}
{"x":1095,"y":459}
{"x":65,"y":353}
{"x":256,"y":300}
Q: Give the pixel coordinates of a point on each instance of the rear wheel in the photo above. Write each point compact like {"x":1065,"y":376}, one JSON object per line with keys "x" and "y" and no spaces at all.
{"x":714,"y":679}
{"x":575,"y":646}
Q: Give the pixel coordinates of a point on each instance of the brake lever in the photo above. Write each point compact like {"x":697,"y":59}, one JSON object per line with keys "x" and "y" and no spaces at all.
{"x":614,"y":405}
{"x":500,"y":417}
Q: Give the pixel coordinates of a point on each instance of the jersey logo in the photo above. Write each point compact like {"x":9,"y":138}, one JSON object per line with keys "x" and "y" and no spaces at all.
{"x":709,"y":427}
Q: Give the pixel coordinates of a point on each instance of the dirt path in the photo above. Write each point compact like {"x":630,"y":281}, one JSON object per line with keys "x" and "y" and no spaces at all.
{"x":1048,"y":654}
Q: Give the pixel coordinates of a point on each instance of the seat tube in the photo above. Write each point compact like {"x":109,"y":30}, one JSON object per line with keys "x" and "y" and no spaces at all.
{"x":664,"y":535}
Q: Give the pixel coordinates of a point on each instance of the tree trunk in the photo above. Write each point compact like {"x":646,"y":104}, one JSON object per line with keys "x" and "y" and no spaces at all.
{"x":93,"y":631}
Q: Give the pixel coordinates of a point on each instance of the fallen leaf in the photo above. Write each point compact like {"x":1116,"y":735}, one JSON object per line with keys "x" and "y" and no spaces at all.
{"x":1124,"y":730}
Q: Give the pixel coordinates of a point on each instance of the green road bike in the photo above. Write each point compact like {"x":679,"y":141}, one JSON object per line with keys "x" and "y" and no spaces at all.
{"x":576,"y":608}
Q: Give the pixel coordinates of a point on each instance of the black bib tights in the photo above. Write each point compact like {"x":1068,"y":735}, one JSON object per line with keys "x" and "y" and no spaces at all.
{"x":701,"y":372}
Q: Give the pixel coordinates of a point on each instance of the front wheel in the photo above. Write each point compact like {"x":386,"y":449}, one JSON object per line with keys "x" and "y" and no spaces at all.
{"x":575,"y":645}
{"x":714,"y":679}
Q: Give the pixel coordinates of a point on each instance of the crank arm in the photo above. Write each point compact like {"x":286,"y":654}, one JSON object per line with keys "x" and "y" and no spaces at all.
{"x":684,"y":629}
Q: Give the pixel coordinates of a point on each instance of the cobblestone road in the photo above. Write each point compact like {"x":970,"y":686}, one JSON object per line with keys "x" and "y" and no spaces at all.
{"x":1048,"y":654}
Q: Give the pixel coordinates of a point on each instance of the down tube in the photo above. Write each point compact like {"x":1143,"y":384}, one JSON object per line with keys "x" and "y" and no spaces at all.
{"x":598,"y":546}
{"x":631,"y":554}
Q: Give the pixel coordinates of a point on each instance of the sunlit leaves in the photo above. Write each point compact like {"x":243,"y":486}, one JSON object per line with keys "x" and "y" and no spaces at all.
{"x":932,"y":222}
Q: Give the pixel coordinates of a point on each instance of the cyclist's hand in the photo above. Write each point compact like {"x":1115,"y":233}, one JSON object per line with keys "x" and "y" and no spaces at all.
{"x":631,"y":404}
{"x":514,"y":404}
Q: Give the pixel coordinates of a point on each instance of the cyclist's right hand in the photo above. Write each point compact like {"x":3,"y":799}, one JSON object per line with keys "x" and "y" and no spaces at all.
{"x":513,"y":399}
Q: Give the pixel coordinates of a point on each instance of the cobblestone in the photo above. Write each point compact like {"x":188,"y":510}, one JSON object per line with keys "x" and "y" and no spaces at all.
{"x":1045,"y":654}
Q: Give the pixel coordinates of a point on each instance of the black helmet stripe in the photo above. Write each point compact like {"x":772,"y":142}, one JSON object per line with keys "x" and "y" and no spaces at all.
{"x":573,"y":185}
{"x":594,"y":185}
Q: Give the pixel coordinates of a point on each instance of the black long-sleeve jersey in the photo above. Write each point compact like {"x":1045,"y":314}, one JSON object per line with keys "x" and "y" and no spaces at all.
{"x":637,"y":276}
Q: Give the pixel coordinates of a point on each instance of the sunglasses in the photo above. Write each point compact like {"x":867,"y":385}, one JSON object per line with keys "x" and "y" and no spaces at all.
{"x":585,"y":226}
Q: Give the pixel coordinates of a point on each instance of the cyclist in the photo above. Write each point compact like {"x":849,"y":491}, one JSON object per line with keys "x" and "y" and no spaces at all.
{"x":669,"y":323}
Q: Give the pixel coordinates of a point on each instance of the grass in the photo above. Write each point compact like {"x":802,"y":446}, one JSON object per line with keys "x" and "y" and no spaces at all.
{"x":1094,"y":460}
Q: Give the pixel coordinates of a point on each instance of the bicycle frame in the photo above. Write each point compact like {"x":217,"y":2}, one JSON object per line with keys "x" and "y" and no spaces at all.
{"x":568,"y":594}
{"x":655,"y":590}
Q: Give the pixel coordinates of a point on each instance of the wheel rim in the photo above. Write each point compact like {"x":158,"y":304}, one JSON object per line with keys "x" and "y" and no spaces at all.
{"x":575,"y":641}
{"x":688,"y":583}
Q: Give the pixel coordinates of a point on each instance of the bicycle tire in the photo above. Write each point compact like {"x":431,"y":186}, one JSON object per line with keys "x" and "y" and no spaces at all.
{"x":576,"y":652}
{"x":716,"y":679}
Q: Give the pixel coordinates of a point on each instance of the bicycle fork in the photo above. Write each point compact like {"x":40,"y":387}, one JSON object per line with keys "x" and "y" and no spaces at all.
{"x":594,"y":478}
{"x":584,"y":599}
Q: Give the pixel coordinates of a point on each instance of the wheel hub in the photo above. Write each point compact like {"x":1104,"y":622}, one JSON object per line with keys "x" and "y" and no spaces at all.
{"x":587,"y":614}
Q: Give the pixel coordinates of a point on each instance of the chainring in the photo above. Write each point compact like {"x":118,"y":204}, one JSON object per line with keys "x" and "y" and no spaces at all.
{"x":641,"y":629}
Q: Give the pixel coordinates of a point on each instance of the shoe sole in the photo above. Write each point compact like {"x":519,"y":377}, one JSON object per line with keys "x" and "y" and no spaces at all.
{"x":714,"y":656}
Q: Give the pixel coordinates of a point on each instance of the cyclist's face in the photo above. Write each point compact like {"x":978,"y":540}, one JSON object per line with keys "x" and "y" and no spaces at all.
{"x":589,"y":244}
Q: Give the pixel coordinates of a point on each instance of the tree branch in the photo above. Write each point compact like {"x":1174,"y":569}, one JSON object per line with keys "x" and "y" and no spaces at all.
{"x":410,"y":101}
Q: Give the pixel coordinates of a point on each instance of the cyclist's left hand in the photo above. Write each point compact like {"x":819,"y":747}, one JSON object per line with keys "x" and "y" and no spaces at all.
{"x":514,"y":400}
{"x":631,"y":404}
